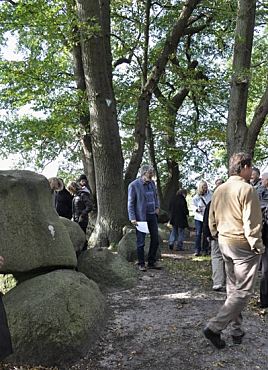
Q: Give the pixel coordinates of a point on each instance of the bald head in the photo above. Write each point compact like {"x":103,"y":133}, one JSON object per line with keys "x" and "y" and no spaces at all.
{"x":264,"y":179}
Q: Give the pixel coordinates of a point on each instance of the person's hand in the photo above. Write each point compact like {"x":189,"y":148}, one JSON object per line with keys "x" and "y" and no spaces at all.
{"x":1,"y":261}
{"x":157,"y":211}
{"x":134,"y":222}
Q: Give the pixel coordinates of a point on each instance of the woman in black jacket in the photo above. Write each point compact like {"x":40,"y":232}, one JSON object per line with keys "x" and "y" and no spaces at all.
{"x":178,"y":211}
{"x":81,"y":205}
{"x":63,"y":202}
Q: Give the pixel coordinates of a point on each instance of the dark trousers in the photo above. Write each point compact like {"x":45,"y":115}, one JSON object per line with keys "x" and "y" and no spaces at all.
{"x":198,"y":235}
{"x":83,"y":225}
{"x":264,"y":279}
{"x":5,"y":340}
{"x":154,"y":243}
{"x":200,"y":238}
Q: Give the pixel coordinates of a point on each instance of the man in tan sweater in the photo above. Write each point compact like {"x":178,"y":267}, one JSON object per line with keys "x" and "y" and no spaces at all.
{"x":235,"y":218}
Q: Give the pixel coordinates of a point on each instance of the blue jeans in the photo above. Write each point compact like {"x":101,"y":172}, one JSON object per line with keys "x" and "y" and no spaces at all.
{"x":177,"y":236}
{"x":198,"y":235}
{"x":154,"y":242}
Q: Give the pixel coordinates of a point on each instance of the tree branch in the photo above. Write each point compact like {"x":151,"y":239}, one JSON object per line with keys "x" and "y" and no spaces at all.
{"x":259,"y":117}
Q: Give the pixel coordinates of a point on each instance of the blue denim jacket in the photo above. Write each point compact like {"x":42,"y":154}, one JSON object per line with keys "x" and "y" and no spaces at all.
{"x":137,"y":200}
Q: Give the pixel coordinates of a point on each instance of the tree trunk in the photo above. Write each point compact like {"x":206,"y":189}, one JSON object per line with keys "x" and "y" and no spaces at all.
{"x":105,"y":138}
{"x":237,"y":131}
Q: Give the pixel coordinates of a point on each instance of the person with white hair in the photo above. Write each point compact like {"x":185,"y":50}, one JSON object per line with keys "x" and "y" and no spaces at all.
{"x":143,"y":205}
{"x":255,"y":179}
{"x":200,"y":201}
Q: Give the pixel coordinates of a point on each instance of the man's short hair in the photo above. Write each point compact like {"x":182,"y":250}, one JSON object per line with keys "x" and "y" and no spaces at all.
{"x":146,"y":168}
{"x":238,"y":161}
{"x":256,"y":170}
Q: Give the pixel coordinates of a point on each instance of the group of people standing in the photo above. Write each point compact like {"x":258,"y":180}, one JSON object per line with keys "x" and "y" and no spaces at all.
{"x":73,"y":202}
{"x":233,"y":220}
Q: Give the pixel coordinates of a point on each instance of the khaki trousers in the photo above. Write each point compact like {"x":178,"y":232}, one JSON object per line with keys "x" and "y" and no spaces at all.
{"x":217,"y":264}
{"x":241,"y":266}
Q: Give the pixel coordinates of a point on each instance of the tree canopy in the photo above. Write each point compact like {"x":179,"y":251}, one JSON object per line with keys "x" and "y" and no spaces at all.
{"x":170,"y":69}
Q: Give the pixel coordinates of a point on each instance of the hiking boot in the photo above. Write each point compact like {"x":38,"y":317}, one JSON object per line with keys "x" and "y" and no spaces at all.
{"x":142,"y":268}
{"x":215,"y":338}
{"x":237,"y":339}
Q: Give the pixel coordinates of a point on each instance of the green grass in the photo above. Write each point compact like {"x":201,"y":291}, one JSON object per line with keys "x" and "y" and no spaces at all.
{"x":192,"y":268}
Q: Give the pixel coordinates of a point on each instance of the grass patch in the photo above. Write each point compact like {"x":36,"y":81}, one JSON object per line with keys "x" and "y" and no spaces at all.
{"x":192,"y":268}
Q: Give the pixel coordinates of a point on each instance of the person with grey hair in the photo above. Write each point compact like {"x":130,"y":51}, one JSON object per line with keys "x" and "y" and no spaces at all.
{"x":143,"y":205}
{"x":235,"y":219}
{"x":255,"y":178}
{"x":262,"y":190}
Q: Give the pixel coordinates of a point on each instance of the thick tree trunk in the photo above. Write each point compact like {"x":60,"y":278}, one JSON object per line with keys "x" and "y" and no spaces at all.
{"x":173,"y":182}
{"x":237,"y":131}
{"x":146,"y":93}
{"x":106,"y":144}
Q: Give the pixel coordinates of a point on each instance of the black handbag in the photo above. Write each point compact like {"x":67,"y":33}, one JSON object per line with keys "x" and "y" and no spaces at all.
{"x":5,"y":339}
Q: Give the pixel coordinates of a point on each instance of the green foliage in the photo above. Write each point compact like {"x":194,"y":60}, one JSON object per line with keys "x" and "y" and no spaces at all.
{"x":43,"y":79}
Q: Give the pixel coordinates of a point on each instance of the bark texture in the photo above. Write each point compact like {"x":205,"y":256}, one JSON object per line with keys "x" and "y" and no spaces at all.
{"x":237,"y":131}
{"x":104,"y":132}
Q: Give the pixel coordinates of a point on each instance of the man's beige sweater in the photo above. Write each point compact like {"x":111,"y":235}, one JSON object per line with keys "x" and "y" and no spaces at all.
{"x":235,"y":214}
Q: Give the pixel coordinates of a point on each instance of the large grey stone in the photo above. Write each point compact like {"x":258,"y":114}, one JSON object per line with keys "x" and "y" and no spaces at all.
{"x":32,"y":236}
{"x":54,"y":318}
{"x":128,"y":250}
{"x":106,"y":268}
{"x":76,"y":234}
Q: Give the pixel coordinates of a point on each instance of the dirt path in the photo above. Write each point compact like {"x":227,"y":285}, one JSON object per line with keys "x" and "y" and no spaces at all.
{"x":158,"y":324}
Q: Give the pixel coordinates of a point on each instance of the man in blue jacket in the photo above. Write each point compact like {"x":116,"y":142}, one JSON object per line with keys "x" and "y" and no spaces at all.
{"x":143,"y":205}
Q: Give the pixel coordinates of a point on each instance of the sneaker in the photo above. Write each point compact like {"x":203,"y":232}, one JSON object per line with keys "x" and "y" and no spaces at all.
{"x":237,"y":339}
{"x":197,"y":254}
{"x":142,"y":268}
{"x":155,"y":266}
{"x":215,"y":338}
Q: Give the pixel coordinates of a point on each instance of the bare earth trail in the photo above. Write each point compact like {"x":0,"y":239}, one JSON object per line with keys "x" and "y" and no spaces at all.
{"x":158,"y":324}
